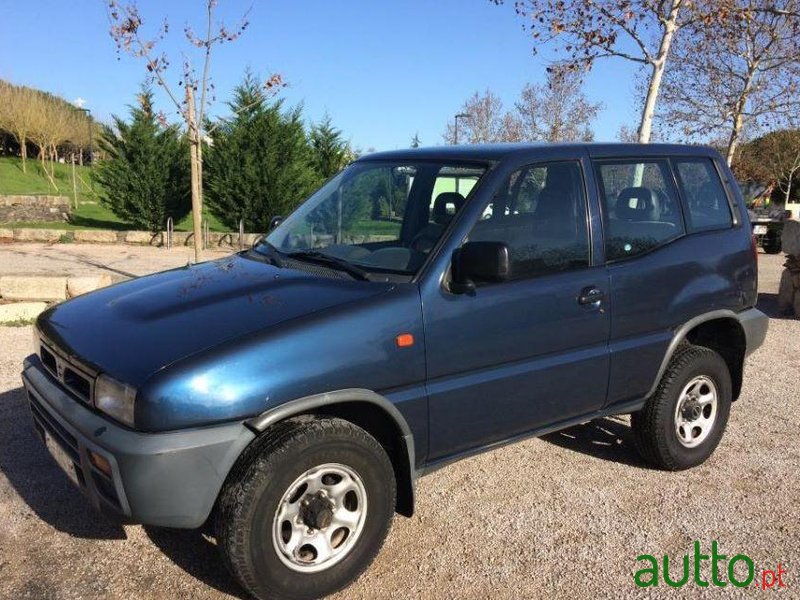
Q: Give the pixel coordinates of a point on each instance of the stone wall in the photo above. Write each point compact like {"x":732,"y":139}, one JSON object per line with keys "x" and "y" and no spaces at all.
{"x":34,"y":209}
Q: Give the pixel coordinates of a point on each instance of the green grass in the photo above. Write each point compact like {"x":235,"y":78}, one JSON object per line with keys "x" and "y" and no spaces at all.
{"x":90,"y":214}
{"x":19,"y":323}
{"x":14,"y":181}
{"x":367,"y":227}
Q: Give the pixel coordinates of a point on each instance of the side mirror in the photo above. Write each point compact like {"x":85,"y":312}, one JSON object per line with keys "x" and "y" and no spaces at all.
{"x":479,"y":262}
{"x":275,"y":221}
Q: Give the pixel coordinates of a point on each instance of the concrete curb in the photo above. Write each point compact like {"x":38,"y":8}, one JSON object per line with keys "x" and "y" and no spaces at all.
{"x":20,"y":312}
{"x":107,"y":236}
{"x":26,"y":288}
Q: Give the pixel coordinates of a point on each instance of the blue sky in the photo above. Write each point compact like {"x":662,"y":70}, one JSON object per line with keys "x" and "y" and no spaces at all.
{"x":384,"y":70}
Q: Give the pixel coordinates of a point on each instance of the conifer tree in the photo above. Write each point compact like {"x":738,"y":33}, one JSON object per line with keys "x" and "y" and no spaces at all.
{"x":260,"y":163}
{"x":145,"y":177}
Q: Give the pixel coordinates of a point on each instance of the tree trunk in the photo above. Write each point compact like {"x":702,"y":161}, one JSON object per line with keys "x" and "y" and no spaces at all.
{"x":23,"y":152}
{"x":736,"y":133}
{"x":738,"y":117}
{"x":194,"y":157}
{"x":74,"y":184}
{"x":646,"y":124}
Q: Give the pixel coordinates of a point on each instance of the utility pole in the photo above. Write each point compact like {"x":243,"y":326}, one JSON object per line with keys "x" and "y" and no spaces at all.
{"x":458,"y":116}
{"x":197,"y":200}
{"x":455,"y":140}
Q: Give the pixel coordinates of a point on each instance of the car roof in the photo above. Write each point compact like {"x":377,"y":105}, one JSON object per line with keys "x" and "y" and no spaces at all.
{"x":498,"y":152}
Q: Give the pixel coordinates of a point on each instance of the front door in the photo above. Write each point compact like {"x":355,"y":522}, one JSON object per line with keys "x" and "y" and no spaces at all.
{"x":522,"y":354}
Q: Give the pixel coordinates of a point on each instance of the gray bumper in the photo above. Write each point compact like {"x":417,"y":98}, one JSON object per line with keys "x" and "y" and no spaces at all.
{"x":167,"y":479}
{"x":754,"y":323}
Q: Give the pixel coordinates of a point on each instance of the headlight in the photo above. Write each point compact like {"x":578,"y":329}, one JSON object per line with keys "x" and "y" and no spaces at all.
{"x":115,"y":399}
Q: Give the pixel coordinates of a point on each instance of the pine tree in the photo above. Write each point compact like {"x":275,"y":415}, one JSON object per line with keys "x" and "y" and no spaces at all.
{"x":260,"y":164}
{"x":331,"y":152}
{"x":145,"y":178}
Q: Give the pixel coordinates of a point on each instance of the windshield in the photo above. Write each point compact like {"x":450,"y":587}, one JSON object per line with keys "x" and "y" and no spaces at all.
{"x":380,"y":217}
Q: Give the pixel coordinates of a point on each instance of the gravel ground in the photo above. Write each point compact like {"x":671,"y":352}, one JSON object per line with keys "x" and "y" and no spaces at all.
{"x":500,"y":525}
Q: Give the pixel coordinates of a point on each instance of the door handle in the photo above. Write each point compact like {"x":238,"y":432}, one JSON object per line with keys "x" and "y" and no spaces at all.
{"x":591,"y":296}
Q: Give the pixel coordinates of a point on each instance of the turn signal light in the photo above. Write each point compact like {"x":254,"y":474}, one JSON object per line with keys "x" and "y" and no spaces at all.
{"x":100,"y":463}
{"x":404,"y":340}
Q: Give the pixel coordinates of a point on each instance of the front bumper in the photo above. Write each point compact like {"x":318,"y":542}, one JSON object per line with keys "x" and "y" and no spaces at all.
{"x":167,"y":479}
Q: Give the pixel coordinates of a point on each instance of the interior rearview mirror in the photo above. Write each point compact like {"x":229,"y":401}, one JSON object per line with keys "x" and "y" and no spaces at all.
{"x":479,"y":262}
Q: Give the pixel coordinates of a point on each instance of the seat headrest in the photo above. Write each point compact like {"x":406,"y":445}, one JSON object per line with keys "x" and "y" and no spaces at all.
{"x":638,"y":204}
{"x":446,"y":205}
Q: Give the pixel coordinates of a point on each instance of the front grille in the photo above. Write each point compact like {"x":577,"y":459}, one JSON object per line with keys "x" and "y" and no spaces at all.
{"x":49,"y":361}
{"x":77,"y":383}
{"x":80,"y":384}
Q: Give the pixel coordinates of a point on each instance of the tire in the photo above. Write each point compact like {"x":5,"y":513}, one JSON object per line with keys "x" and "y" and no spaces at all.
{"x":692,"y":371}
{"x":772,"y":242}
{"x":256,"y":542}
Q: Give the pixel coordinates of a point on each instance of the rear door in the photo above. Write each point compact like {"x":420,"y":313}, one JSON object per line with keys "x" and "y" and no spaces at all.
{"x":515,"y":356}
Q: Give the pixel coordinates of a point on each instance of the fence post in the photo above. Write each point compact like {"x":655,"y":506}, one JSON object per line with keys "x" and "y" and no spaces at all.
{"x":170,"y":227}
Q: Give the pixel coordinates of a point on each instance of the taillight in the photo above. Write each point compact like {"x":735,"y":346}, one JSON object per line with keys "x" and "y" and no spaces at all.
{"x":755,"y":247}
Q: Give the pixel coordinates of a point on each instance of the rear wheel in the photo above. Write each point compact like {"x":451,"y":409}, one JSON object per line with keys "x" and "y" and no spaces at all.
{"x":683,"y":422}
{"x":307,"y":509}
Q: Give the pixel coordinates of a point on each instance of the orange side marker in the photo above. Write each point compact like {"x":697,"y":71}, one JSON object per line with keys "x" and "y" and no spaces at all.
{"x":404,"y":340}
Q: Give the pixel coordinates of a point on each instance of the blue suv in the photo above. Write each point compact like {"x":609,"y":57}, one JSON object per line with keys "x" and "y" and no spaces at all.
{"x":422,"y":306}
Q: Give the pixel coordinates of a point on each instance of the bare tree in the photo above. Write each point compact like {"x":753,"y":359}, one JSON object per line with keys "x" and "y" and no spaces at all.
{"x":46,"y":131}
{"x":126,"y":31}
{"x":17,"y":115}
{"x":639,"y":31}
{"x":627,"y":134}
{"x":486,"y":122}
{"x":735,"y":71}
{"x":558,"y":110}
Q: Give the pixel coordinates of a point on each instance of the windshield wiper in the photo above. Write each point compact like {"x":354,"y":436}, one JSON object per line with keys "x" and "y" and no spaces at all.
{"x":331,"y":261}
{"x":272,"y":253}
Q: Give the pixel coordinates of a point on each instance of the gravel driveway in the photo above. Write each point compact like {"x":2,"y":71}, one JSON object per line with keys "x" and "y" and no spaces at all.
{"x":565,"y":515}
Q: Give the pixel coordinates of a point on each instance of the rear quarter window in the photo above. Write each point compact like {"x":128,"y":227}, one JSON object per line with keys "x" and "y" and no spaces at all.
{"x":707,"y":205}
{"x":640,"y":205}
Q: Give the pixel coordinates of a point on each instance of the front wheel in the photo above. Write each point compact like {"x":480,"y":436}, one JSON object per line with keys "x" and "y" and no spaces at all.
{"x":683,"y":422}
{"x":307,"y":509}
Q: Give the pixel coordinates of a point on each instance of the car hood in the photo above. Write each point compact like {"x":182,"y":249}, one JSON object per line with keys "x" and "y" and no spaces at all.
{"x":133,"y":329}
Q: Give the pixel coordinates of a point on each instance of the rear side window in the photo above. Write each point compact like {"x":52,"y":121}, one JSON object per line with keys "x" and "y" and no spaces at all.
{"x":707,"y":205}
{"x":641,"y":206}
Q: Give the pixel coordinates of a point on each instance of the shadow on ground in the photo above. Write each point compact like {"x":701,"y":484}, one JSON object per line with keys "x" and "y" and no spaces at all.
{"x":609,"y":438}
{"x":198,"y":555}
{"x":768,"y":304}
{"x":99,"y":223}
{"x":39,"y":482}
{"x":42,"y":485}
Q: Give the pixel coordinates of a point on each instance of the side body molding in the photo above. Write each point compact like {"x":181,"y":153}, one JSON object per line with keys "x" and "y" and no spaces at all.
{"x":405,"y":484}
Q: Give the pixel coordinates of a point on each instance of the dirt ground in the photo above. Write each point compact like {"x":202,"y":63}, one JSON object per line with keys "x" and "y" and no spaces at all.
{"x":561,"y":516}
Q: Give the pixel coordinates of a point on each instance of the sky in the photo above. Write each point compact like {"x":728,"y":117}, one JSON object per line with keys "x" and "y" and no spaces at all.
{"x":384,"y":70}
